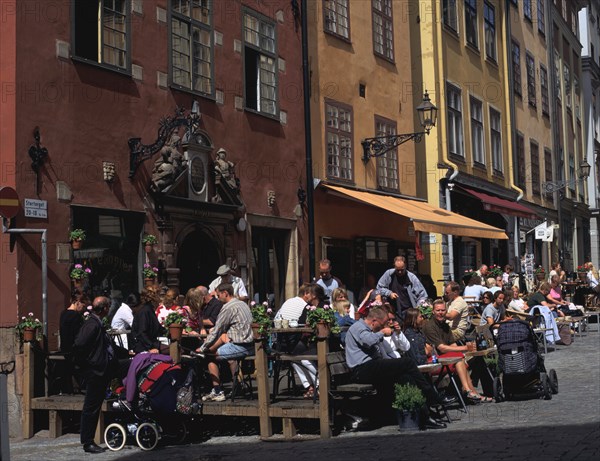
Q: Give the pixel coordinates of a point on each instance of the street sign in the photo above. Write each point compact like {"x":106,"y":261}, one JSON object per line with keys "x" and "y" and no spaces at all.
{"x":9,"y":202}
{"x":34,"y":208}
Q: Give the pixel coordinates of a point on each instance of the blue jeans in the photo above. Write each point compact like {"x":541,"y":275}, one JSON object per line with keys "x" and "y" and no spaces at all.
{"x":229,"y":351}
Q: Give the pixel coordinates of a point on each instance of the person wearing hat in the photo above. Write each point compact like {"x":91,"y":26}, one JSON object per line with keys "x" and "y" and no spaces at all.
{"x":225,"y":275}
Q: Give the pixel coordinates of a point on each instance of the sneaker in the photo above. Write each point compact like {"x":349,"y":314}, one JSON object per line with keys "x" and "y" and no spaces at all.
{"x":214,"y":396}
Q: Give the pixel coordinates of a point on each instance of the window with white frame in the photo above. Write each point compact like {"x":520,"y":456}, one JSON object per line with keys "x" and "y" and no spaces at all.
{"x":496,"y":140}
{"x":338,"y":132}
{"x":337,"y":17}
{"x":387,"y":164}
{"x":192,"y":46}
{"x":531,"y":88}
{"x":572,"y":172}
{"x":489,"y":16}
{"x":541,"y":17}
{"x":101,"y":30}
{"x":383,"y":29}
{"x":557,"y":86}
{"x":471,"y":29}
{"x":516,"y":61}
{"x":455,"y":124}
{"x":476,"y":107}
{"x":260,"y":63}
{"x":544,"y":91}
{"x":450,"y":14}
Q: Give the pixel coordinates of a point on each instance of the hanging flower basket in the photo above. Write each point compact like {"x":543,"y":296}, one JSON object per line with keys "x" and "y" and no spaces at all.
{"x":175,"y":331}
{"x":148,"y":282}
{"x":29,"y":334}
{"x":76,"y":244}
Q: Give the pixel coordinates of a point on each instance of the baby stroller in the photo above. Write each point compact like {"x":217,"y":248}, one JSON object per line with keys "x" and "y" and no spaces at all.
{"x":155,"y":409}
{"x":521,"y":365}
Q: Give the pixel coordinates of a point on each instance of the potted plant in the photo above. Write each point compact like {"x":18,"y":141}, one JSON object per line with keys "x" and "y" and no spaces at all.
{"x":582,"y":272}
{"x":425,"y":308}
{"x":175,"y":322}
{"x":27,"y":327}
{"x":322,"y":320}
{"x":76,"y":236}
{"x":495,"y":271}
{"x":79,"y":274}
{"x":150,"y":273}
{"x":540,"y":273}
{"x":149,"y":241}
{"x":261,"y":319}
{"x":408,"y":401}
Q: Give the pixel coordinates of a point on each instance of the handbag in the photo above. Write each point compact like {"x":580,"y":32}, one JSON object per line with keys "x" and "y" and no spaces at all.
{"x":185,"y":397}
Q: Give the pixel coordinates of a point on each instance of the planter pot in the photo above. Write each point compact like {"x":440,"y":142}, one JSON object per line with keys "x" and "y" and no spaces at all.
{"x":255,"y":332}
{"x":541,"y":276}
{"x":77,"y":283}
{"x":148,"y":248}
{"x":149,"y":282}
{"x":323,"y":330}
{"x":175,"y":331}
{"x":29,"y":334}
{"x":582,"y":276}
{"x":407,"y":420}
{"x":76,"y":244}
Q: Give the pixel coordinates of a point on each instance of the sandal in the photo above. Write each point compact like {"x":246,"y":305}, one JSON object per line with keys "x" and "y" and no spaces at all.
{"x":473,"y":397}
{"x":486,"y":399}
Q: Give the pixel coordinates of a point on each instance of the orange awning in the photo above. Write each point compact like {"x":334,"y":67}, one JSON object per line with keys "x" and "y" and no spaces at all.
{"x":425,"y":217}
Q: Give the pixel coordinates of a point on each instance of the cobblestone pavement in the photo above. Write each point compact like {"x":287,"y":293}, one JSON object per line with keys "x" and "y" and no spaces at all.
{"x":564,"y":428}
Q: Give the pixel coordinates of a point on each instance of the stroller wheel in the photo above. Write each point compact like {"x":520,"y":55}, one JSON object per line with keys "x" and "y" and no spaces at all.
{"x":147,"y":436}
{"x":115,"y":436}
{"x":498,"y":390}
{"x":546,"y":386}
{"x":553,"y":381}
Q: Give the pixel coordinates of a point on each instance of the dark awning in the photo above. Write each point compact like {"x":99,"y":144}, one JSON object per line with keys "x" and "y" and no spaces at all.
{"x":500,"y":205}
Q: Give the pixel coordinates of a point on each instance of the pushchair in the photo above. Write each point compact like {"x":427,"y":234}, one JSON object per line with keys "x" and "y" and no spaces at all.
{"x":522,"y":371}
{"x":153,"y":415}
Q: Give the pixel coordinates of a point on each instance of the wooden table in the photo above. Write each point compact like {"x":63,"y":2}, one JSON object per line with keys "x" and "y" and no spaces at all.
{"x":481,"y":353}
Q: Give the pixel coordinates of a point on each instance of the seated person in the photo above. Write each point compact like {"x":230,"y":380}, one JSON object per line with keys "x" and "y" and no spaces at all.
{"x":438,"y":334}
{"x":458,"y":310}
{"x":310,"y":294}
{"x":541,"y":298}
{"x":411,"y":327}
{"x":123,"y":318}
{"x":538,"y":304}
{"x":191,"y":308}
{"x":474,"y":289}
{"x":145,"y":328}
{"x":342,"y":315}
{"x":516,"y":302}
{"x":397,"y":343}
{"x":370,"y":364}
{"x":167,"y":305}
{"x":555,"y":294}
{"x":209,"y":310}
{"x":341,"y":294}
{"x":235,"y":320}
{"x":494,"y":312}
{"x":492,"y":284}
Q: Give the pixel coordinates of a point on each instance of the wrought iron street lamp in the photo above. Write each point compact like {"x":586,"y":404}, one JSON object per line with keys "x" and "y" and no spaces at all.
{"x":380,"y":145}
{"x":582,"y":173}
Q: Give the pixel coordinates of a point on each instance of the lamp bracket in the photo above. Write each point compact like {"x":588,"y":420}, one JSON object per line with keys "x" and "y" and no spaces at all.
{"x":381,"y":145}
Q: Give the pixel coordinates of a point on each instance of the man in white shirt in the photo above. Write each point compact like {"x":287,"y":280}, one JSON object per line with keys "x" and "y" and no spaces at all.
{"x":123,"y":319}
{"x":225,"y":275}
{"x":293,"y":308}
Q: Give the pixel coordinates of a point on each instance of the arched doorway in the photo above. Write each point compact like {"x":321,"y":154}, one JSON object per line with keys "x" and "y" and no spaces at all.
{"x":198,"y":260}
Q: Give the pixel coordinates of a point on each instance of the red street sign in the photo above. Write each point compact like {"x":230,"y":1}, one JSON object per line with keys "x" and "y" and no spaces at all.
{"x":9,"y":202}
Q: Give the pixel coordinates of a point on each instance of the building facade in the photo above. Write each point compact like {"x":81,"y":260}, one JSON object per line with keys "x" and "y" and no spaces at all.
{"x":178,"y":119}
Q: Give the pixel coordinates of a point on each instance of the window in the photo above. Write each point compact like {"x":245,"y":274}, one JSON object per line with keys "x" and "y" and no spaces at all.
{"x":541,"y":17}
{"x":376,"y":250}
{"x":471,"y":22}
{"x":572,"y":172}
{"x":544,"y":91}
{"x":548,"y":168}
{"x":192,"y":46}
{"x":534,"y":150}
{"x":489,"y":16}
{"x":516,"y":61}
{"x":383,"y":29}
{"x":260,"y":64}
{"x":338,"y":129}
{"x":530,"y":63}
{"x":455,"y":128}
{"x":477,"y":130}
{"x":567,"y":76}
{"x":450,"y":14}
{"x":557,"y":87}
{"x":387,"y":164}
{"x":527,"y":9}
{"x":101,"y":30}
{"x":496,"y":140}
{"x":336,"y":17}
{"x":521,"y":161}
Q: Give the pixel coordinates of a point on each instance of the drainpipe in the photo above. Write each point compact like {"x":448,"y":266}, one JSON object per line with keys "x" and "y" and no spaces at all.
{"x":43,"y":233}
{"x":509,"y":101}
{"x":308,"y":146}
{"x":446,"y":160}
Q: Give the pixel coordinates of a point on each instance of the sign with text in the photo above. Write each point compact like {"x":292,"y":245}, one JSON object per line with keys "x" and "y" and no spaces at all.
{"x":35,"y":208}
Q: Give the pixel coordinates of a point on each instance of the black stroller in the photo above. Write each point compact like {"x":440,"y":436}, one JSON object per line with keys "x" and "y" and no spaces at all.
{"x":521,"y":366}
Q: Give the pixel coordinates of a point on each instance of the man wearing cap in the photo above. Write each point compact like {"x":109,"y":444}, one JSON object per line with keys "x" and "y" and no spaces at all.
{"x":225,"y":276}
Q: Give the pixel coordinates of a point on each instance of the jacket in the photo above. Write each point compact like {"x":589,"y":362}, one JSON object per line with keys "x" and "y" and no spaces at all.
{"x":416,"y":291}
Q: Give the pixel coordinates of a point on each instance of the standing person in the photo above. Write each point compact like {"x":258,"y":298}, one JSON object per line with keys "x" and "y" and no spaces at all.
{"x":402,"y":288}
{"x":457,"y":315}
{"x":96,"y":358}
{"x":235,"y":319}
{"x":483,"y":273}
{"x":225,"y":275}
{"x":70,"y":323}
{"x":327,"y":281}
